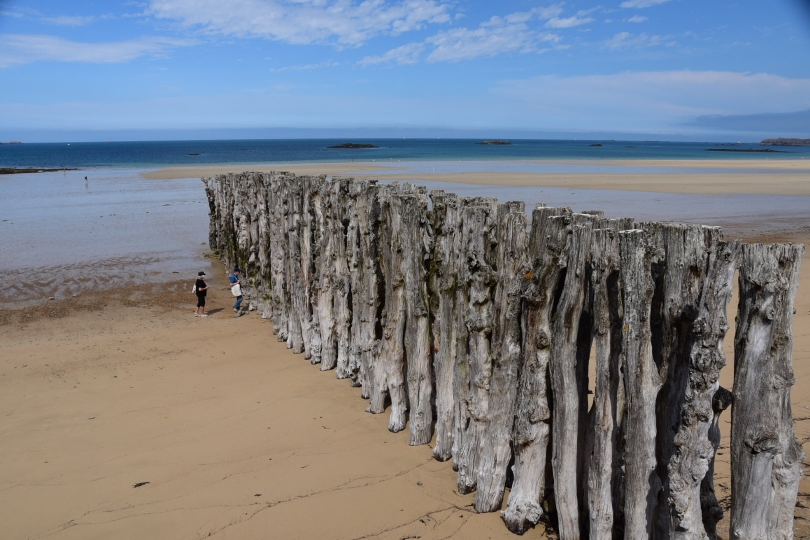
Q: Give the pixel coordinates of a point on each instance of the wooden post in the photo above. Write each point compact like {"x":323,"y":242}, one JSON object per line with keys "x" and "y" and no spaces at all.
{"x":325,"y":275}
{"x":694,"y":449}
{"x":605,"y":467}
{"x":642,"y":383}
{"x":416,"y":249}
{"x":389,"y":369}
{"x":766,"y":459}
{"x":548,"y":254}
{"x":278,"y":256}
{"x":495,"y":449}
{"x":366,"y":281}
{"x":446,"y":221}
{"x":478,"y":270}
{"x":680,"y":275}
{"x":310,"y":258}
{"x":566,"y":381}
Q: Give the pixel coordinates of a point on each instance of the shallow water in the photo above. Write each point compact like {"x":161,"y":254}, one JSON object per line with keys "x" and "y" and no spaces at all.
{"x":739,"y":214}
{"x":60,"y":235}
{"x":503,"y":166}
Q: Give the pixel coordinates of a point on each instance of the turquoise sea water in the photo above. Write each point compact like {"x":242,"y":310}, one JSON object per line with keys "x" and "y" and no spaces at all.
{"x":162,"y":153}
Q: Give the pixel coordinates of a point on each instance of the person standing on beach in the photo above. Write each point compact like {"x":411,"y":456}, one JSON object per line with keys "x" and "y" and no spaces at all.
{"x":200,"y":289}
{"x":236,"y":290}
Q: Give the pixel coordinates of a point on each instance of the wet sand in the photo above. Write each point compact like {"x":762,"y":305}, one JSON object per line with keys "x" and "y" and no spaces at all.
{"x":754,"y":176}
{"x":227,"y":433}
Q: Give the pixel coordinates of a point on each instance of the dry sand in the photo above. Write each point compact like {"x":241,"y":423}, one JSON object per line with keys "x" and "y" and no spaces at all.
{"x":790,"y":177}
{"x":234,"y":435}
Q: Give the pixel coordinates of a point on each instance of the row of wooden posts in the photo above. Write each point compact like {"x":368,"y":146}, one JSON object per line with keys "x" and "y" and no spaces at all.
{"x":476,"y":327}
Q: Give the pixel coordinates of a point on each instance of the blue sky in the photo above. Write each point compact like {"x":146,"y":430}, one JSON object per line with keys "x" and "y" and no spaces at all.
{"x":677,"y":69}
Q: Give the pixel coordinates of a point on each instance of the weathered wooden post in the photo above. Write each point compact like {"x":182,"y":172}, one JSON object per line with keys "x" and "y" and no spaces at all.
{"x":604,"y":470}
{"x":278,"y":256}
{"x":694,"y":449}
{"x":566,"y":381}
{"x":642,"y":383}
{"x":548,"y":256}
{"x":389,"y":369}
{"x":766,"y":459}
{"x":680,"y":275}
{"x":446,"y":221}
{"x":496,"y":441}
{"x":416,"y":244}
{"x":342,"y":207}
{"x":477,"y":269}
{"x":310,"y":258}
{"x":326,"y":281}
{"x":366,"y":280}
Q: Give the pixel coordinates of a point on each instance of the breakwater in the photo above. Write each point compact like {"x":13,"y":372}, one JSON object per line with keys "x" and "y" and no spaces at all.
{"x":472,"y":325}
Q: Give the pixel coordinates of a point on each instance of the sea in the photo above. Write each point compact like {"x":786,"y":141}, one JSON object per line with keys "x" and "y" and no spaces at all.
{"x":105,"y":226}
{"x":166,"y":153}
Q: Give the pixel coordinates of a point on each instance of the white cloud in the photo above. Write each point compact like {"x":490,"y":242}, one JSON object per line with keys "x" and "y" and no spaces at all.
{"x":651,"y":100}
{"x":304,"y":67}
{"x":490,"y":39}
{"x":637,"y":19}
{"x":16,"y":49}
{"x":569,"y":22}
{"x":626,"y":40}
{"x":407,"y":54}
{"x":343,"y":22}
{"x":69,"y":20}
{"x":498,"y":35}
{"x":642,"y":3}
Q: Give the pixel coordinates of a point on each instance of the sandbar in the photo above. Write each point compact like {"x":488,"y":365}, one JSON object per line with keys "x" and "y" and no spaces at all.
{"x":733,"y":176}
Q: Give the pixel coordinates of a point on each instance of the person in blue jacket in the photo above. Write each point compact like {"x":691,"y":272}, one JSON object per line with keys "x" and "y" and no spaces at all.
{"x":236,"y":279}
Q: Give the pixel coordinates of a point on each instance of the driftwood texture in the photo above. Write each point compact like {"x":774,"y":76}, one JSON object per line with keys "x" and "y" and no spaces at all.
{"x":768,"y":459}
{"x":468,"y":324}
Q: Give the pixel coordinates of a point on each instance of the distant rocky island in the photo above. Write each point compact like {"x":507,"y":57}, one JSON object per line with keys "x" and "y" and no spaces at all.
{"x":354,"y":145}
{"x":756,"y":150}
{"x":782,"y":141}
{"x":496,"y":142}
{"x":12,"y":142}
{"x":595,"y":144}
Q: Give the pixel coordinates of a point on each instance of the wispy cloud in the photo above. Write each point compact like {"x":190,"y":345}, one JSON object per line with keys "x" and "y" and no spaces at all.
{"x":654,"y":99}
{"x":498,"y":35}
{"x":637,"y":19}
{"x":569,"y":22}
{"x":485,"y":41}
{"x":304,"y":67}
{"x":16,"y":49}
{"x":407,"y":54}
{"x":642,"y":3}
{"x":626,"y":40}
{"x":340,"y":22}
{"x":58,"y":20}
{"x":69,"y":20}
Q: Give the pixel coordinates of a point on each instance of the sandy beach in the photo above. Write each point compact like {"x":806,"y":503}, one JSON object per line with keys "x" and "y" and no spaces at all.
{"x":754,"y":176}
{"x":124,"y":416}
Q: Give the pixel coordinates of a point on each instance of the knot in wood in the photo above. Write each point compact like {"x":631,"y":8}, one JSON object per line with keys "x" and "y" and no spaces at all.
{"x":699,"y":326}
{"x":761,"y":440}
{"x":543,"y":340}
